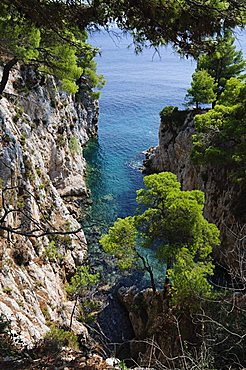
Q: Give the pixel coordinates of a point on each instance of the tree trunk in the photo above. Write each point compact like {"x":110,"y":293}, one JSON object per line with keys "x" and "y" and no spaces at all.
{"x":150,"y":272}
{"x":73,"y":311}
{"x":6,"y":71}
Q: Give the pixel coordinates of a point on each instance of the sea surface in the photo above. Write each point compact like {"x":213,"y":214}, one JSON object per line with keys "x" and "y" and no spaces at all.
{"x":136,"y":90}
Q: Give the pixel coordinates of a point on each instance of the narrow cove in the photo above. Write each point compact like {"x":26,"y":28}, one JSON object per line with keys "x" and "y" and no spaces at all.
{"x":137,"y":88}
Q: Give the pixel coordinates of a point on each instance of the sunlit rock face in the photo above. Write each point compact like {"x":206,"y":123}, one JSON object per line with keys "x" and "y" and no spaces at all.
{"x":224,"y":199}
{"x":42,"y":173}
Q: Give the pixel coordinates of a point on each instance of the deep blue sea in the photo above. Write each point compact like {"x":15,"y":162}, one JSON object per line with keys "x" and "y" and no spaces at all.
{"x":137,"y":88}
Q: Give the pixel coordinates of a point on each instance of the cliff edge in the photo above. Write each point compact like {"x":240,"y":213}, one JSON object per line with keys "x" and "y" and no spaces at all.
{"x":42,"y":170}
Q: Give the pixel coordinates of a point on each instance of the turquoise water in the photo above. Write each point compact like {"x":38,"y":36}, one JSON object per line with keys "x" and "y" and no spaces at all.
{"x":137,"y":88}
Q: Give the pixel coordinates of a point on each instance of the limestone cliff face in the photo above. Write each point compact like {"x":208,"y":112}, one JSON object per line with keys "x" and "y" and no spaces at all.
{"x":225,"y":200}
{"x":42,"y":172}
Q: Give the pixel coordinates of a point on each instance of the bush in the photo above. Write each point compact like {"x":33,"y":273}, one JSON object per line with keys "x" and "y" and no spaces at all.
{"x":172,"y":116}
{"x":74,"y":145}
{"x":57,"y":338}
{"x":167,"y":112}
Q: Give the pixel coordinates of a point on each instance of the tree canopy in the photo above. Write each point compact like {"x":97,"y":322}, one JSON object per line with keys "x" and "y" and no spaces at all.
{"x":50,"y":33}
{"x":184,"y":23}
{"x":65,"y":55}
{"x":202,"y":88}
{"x":223,"y":61}
{"x":220,"y":136}
{"x":170,"y":222}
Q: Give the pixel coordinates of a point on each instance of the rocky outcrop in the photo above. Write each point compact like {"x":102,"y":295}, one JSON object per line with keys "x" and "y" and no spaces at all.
{"x":157,"y":327}
{"x":225,"y":199}
{"x":42,"y":169}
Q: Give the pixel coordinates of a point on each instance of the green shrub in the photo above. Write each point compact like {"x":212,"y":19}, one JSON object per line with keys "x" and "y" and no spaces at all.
{"x":74,"y":145}
{"x":51,"y":251}
{"x":171,"y":115}
{"x":82,"y":281}
{"x":57,"y":338}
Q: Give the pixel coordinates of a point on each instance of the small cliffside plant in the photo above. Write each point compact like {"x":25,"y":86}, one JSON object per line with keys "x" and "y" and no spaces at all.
{"x":172,"y":116}
{"x":57,"y":338}
{"x":82,"y":287}
{"x":74,"y":146}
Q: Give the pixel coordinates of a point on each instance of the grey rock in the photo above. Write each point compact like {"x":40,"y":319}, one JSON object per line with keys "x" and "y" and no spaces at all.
{"x":36,"y":158}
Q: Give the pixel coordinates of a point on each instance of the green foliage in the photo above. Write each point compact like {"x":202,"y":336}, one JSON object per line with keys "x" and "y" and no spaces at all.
{"x":173,"y":218}
{"x":53,"y":38}
{"x":121,"y":242}
{"x":74,"y":145}
{"x":189,"y":279}
{"x":221,"y":132}
{"x":82,"y":286}
{"x":57,"y":338}
{"x":172,"y":116}
{"x":52,"y":252}
{"x":63,"y":59}
{"x":21,"y":38}
{"x":122,"y":366}
{"x":184,"y":23}
{"x":82,"y":281}
{"x":223,"y":61}
{"x":169,"y":221}
{"x":202,"y":88}
{"x":168,"y":111}
{"x":63,"y":53}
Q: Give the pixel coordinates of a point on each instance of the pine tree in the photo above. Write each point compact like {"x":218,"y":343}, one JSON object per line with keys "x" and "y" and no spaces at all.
{"x":202,"y":89}
{"x":64,"y":54}
{"x":223,"y":62}
{"x":171,"y":223}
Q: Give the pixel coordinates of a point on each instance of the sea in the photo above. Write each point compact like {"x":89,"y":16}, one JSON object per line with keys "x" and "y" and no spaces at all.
{"x":137,"y":88}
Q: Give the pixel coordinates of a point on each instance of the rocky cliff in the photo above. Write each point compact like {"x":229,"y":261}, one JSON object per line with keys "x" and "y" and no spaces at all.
{"x":225,"y":200}
{"x":42,"y":170}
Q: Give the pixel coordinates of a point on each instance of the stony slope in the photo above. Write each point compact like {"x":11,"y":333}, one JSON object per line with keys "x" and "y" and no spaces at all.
{"x":42,"y":173}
